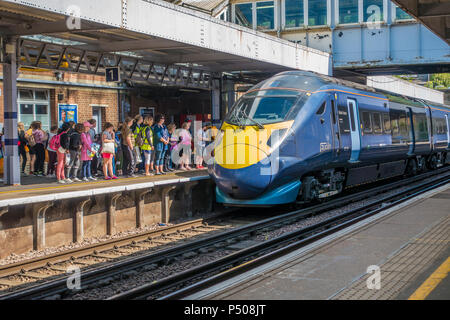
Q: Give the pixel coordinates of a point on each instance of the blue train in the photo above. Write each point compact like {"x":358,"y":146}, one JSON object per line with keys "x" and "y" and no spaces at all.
{"x":299,"y":136}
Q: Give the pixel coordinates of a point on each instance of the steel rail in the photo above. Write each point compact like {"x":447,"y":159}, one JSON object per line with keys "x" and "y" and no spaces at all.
{"x":237,"y":263}
{"x":59,"y":286}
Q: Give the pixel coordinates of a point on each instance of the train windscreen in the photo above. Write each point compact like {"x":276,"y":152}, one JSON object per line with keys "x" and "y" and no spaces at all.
{"x":265,"y":109}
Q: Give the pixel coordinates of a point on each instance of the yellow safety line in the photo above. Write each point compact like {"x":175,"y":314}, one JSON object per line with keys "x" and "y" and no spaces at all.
{"x":76,"y":184}
{"x":432,"y":282}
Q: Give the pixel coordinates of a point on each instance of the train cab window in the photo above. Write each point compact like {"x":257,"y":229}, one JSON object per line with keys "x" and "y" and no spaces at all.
{"x":386,"y":123}
{"x":376,"y":122}
{"x":343,"y":119}
{"x":366,"y":122}
{"x":321,"y":109}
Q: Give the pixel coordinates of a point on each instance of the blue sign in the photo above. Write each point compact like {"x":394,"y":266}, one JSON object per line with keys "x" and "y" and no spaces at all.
{"x":67,"y":112}
{"x":112,"y":74}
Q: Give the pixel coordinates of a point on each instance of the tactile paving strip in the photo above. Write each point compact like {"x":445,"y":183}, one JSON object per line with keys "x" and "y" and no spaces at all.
{"x":398,"y":272}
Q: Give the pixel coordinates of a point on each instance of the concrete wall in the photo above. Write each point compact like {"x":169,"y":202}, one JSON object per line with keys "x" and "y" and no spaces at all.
{"x":36,"y":226}
{"x":406,"y":88}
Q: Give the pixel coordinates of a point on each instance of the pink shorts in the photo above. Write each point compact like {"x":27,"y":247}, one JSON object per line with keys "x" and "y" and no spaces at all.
{"x":106,"y":155}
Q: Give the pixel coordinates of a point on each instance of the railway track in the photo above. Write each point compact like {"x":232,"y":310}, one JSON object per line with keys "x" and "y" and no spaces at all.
{"x":191,"y":281}
{"x":16,"y":274}
{"x":162,"y":257}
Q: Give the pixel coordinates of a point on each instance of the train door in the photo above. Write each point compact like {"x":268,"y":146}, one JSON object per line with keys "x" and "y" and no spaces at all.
{"x":337,"y":143}
{"x":355,"y":129}
{"x":447,"y":122}
{"x":410,"y":126}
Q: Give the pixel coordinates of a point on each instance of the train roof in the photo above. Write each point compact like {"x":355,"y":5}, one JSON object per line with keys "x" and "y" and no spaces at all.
{"x":391,"y":96}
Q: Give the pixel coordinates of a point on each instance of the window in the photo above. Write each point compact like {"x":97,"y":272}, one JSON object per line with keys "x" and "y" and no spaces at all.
{"x":244,"y":14}
{"x":317,"y":12}
{"x":366,"y":122}
{"x":348,"y":11}
{"x":343,"y":119}
{"x":265,"y":15}
{"x":321,"y":109}
{"x":386,"y":123}
{"x":376,"y":122}
{"x":403,"y":127}
{"x":25,"y":94}
{"x":372,"y":10}
{"x":439,"y":126}
{"x":420,"y":127}
{"x":250,"y":110}
{"x":294,"y":15}
{"x":400,"y":14}
{"x":352,"y":115}
{"x":394,"y":123}
{"x":34,"y":106}
{"x":41,"y":95}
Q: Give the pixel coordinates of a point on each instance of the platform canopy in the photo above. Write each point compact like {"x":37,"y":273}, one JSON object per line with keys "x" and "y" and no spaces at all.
{"x":150,"y":39}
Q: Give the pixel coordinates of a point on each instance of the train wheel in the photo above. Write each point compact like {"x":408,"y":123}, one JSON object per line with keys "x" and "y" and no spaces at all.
{"x":432,"y":162}
{"x":310,"y":189}
{"x":411,"y":168}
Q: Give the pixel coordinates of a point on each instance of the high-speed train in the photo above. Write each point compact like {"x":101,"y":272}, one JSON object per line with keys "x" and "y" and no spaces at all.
{"x":300,"y":136}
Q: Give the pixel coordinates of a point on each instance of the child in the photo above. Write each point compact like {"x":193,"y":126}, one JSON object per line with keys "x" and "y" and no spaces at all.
{"x":86,"y":152}
{"x":52,"y":156}
{"x":108,"y":138}
{"x":61,"y":153}
{"x":75,"y":153}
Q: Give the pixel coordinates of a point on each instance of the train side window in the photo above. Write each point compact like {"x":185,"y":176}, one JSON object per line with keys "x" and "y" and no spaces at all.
{"x":386,"y":123}
{"x":343,"y":119}
{"x":321,"y":109}
{"x":394,"y":124}
{"x":352,"y":116}
{"x":376,"y":122}
{"x":402,"y":125}
{"x":366,"y":122}
{"x":420,"y":127}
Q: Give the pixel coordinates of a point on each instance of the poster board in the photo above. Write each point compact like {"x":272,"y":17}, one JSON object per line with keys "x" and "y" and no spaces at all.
{"x":67,"y":112}
{"x":147,"y":111}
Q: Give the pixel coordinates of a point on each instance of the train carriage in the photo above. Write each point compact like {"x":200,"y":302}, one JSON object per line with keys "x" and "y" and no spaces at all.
{"x":299,"y":136}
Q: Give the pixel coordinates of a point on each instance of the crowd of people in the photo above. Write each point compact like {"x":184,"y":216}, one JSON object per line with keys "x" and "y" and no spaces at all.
{"x":75,"y":152}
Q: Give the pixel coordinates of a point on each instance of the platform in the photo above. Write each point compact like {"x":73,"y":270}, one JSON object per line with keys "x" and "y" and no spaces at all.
{"x":37,"y":189}
{"x":43,"y":213}
{"x":409,"y":243}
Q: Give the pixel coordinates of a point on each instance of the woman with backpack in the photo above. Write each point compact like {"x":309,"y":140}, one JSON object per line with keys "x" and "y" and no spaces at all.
{"x":52,"y":154}
{"x":86,"y":153}
{"x":147,"y":145}
{"x":75,"y":153}
{"x":40,"y":138}
{"x":22,"y":145}
{"x":61,"y":144}
{"x":31,"y":143}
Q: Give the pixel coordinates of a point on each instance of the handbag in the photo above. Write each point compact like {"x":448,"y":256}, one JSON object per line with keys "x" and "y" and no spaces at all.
{"x":108,"y":147}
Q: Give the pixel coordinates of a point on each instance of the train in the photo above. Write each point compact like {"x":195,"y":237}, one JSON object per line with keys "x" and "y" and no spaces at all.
{"x":300,"y":136}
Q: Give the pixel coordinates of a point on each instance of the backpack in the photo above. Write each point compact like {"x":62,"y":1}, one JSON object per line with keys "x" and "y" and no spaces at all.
{"x":31,"y":140}
{"x":138,"y":140}
{"x":55,"y":142}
